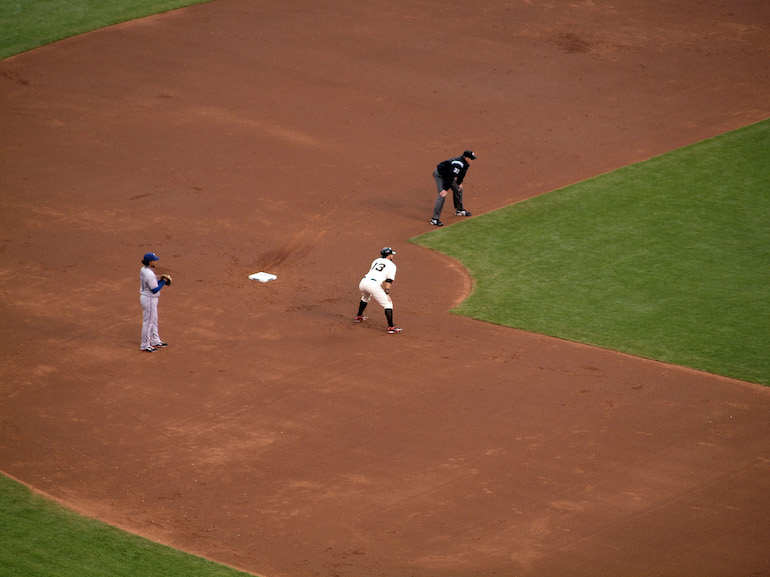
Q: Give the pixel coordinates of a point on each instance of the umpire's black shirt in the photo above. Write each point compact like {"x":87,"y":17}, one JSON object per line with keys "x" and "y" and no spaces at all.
{"x":451,"y":169}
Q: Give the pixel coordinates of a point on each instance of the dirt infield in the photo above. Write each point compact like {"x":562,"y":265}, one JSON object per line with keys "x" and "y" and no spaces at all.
{"x":276,"y":435}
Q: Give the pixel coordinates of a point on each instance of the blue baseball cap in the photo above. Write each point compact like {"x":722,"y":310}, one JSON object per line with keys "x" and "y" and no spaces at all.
{"x":150,"y":256}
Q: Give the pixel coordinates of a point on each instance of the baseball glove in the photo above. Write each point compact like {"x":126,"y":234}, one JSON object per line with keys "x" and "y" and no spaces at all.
{"x":166,"y":278}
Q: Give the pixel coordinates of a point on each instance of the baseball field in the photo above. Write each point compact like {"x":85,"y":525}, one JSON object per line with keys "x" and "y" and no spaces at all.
{"x":618,"y":424}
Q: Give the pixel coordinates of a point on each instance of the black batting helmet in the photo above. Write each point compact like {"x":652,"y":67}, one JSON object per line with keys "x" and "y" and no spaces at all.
{"x":386,"y":251}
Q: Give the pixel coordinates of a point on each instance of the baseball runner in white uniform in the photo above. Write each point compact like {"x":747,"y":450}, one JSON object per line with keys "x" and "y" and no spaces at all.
{"x":376,"y":285}
{"x":149,"y":287}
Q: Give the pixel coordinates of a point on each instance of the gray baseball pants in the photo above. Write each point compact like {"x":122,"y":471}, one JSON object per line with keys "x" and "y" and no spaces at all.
{"x":457,"y":196}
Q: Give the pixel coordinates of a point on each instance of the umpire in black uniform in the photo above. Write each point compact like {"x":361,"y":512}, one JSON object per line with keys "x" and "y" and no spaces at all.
{"x":449,"y":175}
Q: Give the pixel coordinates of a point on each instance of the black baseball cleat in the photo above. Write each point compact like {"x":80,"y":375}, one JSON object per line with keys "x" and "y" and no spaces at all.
{"x":436,"y":222}
{"x":161,"y":344}
{"x":462,"y":213}
{"x":150,"y":350}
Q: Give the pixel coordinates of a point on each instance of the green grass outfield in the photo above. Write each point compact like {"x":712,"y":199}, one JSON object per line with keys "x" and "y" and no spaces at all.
{"x":41,"y":539}
{"x":27,"y":24}
{"x":667,"y":259}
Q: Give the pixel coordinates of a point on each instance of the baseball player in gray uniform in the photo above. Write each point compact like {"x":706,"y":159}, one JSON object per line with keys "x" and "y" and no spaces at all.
{"x":376,"y":285}
{"x":149,"y":287}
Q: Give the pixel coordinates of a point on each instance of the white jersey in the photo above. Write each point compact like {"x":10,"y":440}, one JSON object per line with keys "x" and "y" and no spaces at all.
{"x":147,"y":282}
{"x":381,"y":270}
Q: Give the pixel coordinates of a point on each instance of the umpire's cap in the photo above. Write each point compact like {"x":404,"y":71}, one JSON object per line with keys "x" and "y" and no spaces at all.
{"x":469,"y":154}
